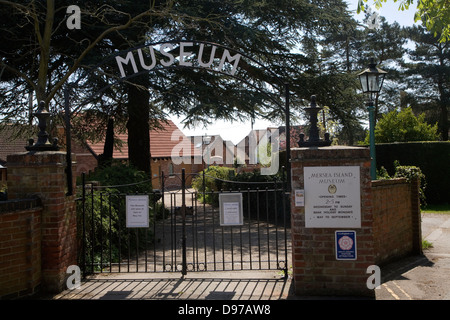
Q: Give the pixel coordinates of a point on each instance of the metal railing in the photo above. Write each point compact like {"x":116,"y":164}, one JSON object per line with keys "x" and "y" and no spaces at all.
{"x":184,"y":233}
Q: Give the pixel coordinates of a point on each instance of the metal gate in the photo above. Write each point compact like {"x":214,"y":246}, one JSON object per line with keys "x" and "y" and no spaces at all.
{"x":184,"y":232}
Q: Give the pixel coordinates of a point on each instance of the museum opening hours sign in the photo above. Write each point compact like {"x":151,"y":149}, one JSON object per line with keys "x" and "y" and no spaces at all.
{"x":332,"y":197}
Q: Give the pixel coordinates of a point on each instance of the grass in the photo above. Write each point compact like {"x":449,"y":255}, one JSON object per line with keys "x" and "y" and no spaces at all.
{"x":437,"y":208}
{"x":426,"y":244}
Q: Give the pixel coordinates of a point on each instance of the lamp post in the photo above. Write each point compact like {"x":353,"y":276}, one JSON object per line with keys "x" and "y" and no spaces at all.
{"x":371,"y":82}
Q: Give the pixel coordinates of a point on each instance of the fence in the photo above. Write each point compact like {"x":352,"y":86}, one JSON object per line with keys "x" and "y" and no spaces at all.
{"x":183,"y":233}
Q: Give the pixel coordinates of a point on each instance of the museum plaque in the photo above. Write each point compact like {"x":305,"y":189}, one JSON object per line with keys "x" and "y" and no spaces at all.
{"x":332,"y":197}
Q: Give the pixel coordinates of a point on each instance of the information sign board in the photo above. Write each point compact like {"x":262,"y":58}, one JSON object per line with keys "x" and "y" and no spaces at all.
{"x":137,"y":211}
{"x":346,"y":245}
{"x":332,"y":197}
{"x":230,"y":205}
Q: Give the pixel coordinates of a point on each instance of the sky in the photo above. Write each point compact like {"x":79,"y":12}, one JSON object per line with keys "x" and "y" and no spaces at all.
{"x":236,"y":131}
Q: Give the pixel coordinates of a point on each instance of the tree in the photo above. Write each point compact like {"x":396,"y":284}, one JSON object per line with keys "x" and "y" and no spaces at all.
{"x":403,"y":126}
{"x":427,"y":78}
{"x":346,"y":52}
{"x":40,"y":54}
{"x":435,"y":14}
{"x":34,"y":29}
{"x":283,"y":35}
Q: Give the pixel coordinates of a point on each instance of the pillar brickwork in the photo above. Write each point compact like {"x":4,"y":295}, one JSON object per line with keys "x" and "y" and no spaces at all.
{"x":316,"y":270}
{"x":43,"y":174}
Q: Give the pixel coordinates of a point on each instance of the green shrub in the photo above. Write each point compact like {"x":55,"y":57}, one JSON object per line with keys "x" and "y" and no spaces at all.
{"x":105,"y":214}
{"x":431,"y":157}
{"x":219,"y":178}
{"x":213,"y":177}
{"x":411,"y":173}
{"x":130,"y":179}
{"x":408,"y":172}
{"x":403,"y":126}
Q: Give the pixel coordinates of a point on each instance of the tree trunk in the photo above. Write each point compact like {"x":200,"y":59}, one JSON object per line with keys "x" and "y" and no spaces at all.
{"x":138,"y":125}
{"x":105,"y":159}
{"x":444,"y":121}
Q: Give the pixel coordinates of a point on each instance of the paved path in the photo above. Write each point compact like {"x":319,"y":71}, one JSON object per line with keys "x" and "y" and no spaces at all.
{"x":413,"y":278}
{"x":424,"y":277}
{"x":240,"y":285}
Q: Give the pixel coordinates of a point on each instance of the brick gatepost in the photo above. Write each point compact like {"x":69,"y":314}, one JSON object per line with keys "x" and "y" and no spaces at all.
{"x":43,"y":174}
{"x":316,"y":269}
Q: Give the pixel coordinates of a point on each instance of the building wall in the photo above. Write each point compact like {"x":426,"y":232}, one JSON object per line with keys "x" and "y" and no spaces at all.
{"x":172,"y":173}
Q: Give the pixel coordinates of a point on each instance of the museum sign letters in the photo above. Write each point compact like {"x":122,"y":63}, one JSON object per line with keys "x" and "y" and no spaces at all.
{"x":203,"y":57}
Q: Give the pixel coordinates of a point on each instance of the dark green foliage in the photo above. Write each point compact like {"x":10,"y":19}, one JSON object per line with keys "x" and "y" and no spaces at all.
{"x":261,"y":194}
{"x":412,"y":173}
{"x":105,"y":219}
{"x":403,"y":126}
{"x":210,"y":180}
{"x":431,"y":157}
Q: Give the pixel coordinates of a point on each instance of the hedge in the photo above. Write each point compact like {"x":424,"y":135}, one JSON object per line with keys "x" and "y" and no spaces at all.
{"x":433,"y":159}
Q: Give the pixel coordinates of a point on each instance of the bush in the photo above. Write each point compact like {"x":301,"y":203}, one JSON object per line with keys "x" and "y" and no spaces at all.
{"x":213,"y":182}
{"x":411,"y":173}
{"x":408,"y":172}
{"x":403,"y":126}
{"x":124,"y":178}
{"x":105,"y":213}
{"x":220,"y":178}
{"x":431,"y":157}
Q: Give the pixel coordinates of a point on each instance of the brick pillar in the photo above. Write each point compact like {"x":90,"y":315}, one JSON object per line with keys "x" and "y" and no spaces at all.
{"x":316,"y":270}
{"x":43,"y":174}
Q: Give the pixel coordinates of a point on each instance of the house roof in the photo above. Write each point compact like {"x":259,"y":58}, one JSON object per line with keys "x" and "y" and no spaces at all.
{"x":257,"y":134}
{"x":9,"y":144}
{"x":162,"y":142}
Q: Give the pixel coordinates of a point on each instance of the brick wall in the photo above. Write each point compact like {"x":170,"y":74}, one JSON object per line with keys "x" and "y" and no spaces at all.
{"x":42,"y":174}
{"x":20,"y":247}
{"x":396,"y":214}
{"x":390,"y":226}
{"x":315,"y":268}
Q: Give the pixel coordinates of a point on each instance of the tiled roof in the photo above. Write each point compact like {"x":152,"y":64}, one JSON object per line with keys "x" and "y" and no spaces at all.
{"x":161,"y":144}
{"x":10,"y":145}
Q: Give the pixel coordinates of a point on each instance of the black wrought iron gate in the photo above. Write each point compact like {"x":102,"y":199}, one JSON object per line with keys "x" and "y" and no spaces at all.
{"x":184,"y":232}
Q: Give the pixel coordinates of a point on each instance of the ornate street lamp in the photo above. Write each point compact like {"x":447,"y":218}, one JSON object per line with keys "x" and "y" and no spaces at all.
{"x":371,"y":82}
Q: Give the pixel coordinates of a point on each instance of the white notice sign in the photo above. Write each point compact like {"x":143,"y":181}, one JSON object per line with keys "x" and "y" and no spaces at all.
{"x":230,"y":206}
{"x":231,"y":213}
{"x":332,"y":197}
{"x":299,"y":197}
{"x":137,"y":211}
